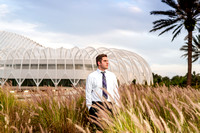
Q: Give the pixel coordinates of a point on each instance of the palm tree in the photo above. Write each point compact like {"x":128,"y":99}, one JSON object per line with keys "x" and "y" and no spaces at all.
{"x":195,"y":49}
{"x":196,"y":54}
{"x":184,"y":13}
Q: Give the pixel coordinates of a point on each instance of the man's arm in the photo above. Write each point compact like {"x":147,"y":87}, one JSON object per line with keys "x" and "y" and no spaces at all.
{"x":116,"y":96}
{"x":88,"y":91}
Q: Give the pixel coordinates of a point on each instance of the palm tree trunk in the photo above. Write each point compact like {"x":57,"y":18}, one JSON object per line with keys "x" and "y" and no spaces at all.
{"x":189,"y":74}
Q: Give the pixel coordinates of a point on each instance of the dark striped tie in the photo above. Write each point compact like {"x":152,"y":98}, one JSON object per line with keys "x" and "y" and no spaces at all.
{"x":104,"y":85}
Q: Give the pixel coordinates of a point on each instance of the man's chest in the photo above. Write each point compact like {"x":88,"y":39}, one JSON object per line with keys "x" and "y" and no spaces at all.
{"x":98,"y":81}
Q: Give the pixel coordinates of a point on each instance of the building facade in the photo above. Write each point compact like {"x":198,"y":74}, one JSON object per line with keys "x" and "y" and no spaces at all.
{"x":27,"y":63}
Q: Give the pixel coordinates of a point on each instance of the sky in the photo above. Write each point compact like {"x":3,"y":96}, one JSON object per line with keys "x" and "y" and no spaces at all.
{"x":122,"y":24}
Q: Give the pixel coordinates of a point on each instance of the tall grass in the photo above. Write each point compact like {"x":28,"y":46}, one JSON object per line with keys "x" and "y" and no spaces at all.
{"x":160,"y":109}
{"x":60,"y":111}
{"x":7,"y":104}
{"x":50,"y":111}
{"x":139,"y":109}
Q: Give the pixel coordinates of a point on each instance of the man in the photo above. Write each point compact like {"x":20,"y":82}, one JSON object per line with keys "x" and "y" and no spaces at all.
{"x":101,"y":78}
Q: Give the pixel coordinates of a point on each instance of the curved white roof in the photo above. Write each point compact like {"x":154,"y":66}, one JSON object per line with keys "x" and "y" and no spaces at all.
{"x":20,"y":53}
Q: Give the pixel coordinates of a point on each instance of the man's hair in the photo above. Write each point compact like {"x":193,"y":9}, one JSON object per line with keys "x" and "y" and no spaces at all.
{"x":99,"y":58}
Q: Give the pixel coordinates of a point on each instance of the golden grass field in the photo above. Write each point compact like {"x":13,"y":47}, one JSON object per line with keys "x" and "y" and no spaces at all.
{"x":140,"y":109}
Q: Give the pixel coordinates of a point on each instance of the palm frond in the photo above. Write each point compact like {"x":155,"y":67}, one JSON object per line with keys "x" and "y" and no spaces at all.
{"x":195,"y":49}
{"x":161,"y":21}
{"x":167,"y":29}
{"x":184,"y":48}
{"x":183,"y":13}
{"x":180,"y":26}
{"x":171,"y":3}
{"x":196,"y":56}
{"x":159,"y":24}
{"x":197,"y":41}
{"x":170,"y":13}
{"x":188,"y":4}
{"x":196,"y":13}
{"x":195,"y":59}
{"x":184,"y":55}
{"x":176,"y":34}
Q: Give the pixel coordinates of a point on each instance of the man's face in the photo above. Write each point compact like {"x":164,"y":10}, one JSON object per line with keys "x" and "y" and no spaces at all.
{"x":103,"y":65}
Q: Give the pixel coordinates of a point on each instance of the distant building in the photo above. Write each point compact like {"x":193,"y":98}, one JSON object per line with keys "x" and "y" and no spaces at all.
{"x":27,"y":63}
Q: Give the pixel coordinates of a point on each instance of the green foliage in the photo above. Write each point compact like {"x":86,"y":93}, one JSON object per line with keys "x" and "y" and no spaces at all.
{"x":180,"y":81}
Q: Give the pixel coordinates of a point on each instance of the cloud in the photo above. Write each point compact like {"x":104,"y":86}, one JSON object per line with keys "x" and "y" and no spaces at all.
{"x":112,"y":24}
{"x":45,"y":38}
{"x":173,"y":69}
{"x":130,"y":7}
{"x":135,"y":9}
{"x":80,"y":17}
{"x":4,"y":10}
{"x":140,"y":43}
{"x":17,"y":26}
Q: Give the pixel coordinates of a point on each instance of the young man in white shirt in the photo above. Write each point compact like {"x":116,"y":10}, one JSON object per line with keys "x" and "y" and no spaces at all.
{"x":101,"y":78}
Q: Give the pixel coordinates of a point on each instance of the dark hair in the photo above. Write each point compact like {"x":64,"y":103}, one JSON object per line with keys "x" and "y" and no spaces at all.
{"x":99,"y":58}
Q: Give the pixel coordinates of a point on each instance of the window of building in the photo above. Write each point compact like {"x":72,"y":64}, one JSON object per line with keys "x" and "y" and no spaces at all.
{"x":51,"y":66}
{"x":69,"y":66}
{"x":25,"y":66}
{"x":43,"y":66}
{"x":78,"y":66}
{"x":1,"y":66}
{"x":88,"y":66}
{"x":17,"y":66}
{"x":34,"y":66}
{"x":60,"y":66}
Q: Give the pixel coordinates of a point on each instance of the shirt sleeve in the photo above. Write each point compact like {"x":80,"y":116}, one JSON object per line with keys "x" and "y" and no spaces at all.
{"x":116,"y":95}
{"x":88,"y":91}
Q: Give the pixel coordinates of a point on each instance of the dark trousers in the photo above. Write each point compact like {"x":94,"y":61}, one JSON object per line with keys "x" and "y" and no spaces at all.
{"x":93,"y":111}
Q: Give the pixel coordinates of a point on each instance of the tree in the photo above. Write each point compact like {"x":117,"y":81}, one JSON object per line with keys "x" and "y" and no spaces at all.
{"x":157,"y":79}
{"x":195,"y":49}
{"x":178,"y":80}
{"x":184,"y":13}
{"x":166,"y":80}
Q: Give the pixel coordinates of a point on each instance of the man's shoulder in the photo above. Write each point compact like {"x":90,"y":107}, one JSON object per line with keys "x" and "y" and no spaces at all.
{"x":110,"y":73}
{"x":92,"y":74}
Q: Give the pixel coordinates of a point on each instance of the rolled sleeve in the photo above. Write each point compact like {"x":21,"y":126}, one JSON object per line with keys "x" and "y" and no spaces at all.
{"x":116,"y":95}
{"x":88,"y":91}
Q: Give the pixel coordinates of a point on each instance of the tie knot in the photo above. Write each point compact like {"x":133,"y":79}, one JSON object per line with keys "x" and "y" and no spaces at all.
{"x":103,"y":72}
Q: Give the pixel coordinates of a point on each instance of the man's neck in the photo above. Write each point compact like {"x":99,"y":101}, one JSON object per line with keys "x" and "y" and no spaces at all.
{"x":101,"y":69}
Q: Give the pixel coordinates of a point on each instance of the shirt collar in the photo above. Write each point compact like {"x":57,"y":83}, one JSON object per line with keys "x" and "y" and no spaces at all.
{"x":99,"y":71}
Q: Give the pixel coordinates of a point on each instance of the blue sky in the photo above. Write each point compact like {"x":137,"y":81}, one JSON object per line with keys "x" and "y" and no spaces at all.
{"x":123,"y":24}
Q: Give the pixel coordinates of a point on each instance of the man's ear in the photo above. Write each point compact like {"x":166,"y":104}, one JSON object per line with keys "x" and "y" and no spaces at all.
{"x":99,"y":63}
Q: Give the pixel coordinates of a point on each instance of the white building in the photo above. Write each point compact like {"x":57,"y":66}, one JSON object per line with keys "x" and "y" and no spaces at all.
{"x":28,"y":63}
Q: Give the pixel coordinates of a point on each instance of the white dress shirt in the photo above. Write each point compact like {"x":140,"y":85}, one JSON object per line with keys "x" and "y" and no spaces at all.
{"x":94,"y":90}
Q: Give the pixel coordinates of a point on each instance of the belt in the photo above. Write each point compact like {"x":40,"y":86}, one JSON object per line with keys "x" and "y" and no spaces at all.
{"x":104,"y":104}
{"x":101,"y":103}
